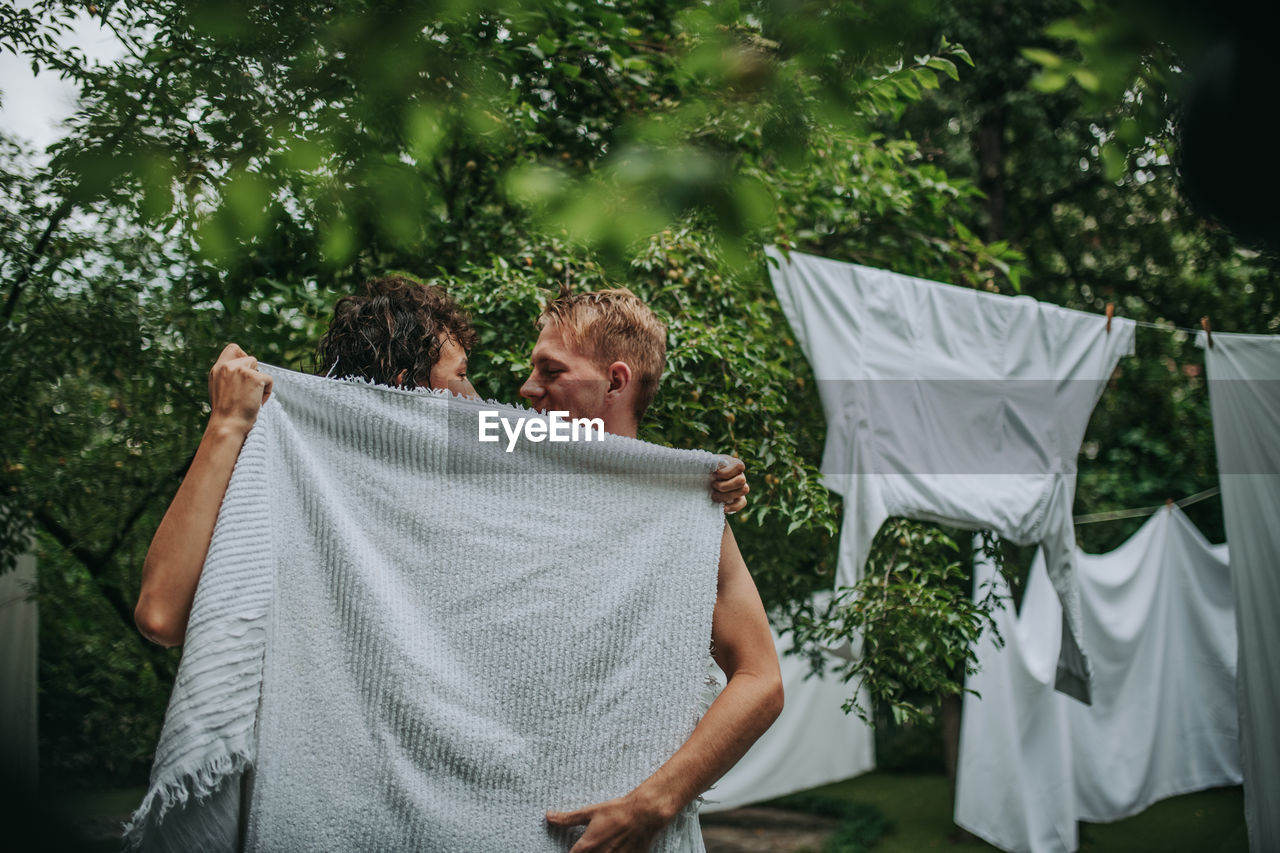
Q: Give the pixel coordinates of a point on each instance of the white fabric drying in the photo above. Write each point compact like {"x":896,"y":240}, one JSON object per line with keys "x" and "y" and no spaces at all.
{"x":18,"y":639}
{"x":951,"y":405}
{"x":1244,"y":396}
{"x":1160,"y":630}
{"x":422,"y":642}
{"x":812,"y":742}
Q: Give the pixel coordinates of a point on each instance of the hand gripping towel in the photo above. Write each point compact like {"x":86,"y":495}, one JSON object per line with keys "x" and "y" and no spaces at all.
{"x":951,"y":405}
{"x":413,"y":640}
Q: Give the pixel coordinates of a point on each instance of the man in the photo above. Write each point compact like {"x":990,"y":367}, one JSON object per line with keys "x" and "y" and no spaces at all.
{"x":601,"y":355}
{"x":396,"y":332}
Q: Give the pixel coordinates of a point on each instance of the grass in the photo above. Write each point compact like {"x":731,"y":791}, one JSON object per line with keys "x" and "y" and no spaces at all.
{"x":918,"y":807}
{"x":1207,"y":821}
{"x":861,"y":824}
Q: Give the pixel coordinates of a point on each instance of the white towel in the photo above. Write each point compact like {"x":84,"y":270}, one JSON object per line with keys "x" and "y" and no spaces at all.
{"x":418,"y":641}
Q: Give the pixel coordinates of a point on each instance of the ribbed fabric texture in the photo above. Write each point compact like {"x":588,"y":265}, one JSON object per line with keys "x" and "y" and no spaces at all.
{"x":208,"y":734}
{"x":446,"y":639}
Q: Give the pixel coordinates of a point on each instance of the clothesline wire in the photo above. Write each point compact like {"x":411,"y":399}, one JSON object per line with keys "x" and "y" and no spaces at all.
{"x":1164,"y":327}
{"x":1116,"y":515}
{"x":1147,"y":510}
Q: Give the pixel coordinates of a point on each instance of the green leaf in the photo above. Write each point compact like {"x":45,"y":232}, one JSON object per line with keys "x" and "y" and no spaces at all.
{"x":1068,"y":29}
{"x":547,"y":44}
{"x":926,"y":79}
{"x":1047,"y":58}
{"x":1049,"y":82}
{"x":1114,"y":161}
{"x":1087,"y":79}
{"x":946,"y":66}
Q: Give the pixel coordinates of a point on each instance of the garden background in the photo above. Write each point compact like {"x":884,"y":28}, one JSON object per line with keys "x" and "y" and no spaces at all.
{"x":244,"y":164}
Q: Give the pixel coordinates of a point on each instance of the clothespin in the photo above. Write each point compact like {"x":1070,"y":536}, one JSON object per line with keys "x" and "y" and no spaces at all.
{"x":1111,"y":312}
{"x":1208,"y":333}
{"x":1168,"y":502}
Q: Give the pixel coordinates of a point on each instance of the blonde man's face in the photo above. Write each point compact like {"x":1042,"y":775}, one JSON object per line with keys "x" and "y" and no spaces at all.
{"x":563,"y":379}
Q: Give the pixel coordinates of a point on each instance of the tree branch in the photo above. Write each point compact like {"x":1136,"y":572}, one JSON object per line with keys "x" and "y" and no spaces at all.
{"x":155,"y":657}
{"x":67,"y":540}
{"x":67,"y":206}
{"x":132,"y":518}
{"x":24,"y":275}
{"x":97,"y":565}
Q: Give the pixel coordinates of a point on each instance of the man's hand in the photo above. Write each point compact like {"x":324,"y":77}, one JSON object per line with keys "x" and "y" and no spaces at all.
{"x":729,"y":484}
{"x":236,"y":390}
{"x":624,"y":825}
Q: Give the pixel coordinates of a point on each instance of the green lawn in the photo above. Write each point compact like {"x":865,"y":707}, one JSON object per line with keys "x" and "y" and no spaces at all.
{"x":919,"y":806}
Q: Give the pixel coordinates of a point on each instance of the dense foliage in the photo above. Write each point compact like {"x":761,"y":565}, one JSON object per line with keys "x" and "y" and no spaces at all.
{"x":1079,"y":173}
{"x":245,"y":164}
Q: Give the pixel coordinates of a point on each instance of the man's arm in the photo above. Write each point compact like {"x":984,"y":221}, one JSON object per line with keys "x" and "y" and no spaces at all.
{"x":178,"y":548}
{"x":743,"y":647}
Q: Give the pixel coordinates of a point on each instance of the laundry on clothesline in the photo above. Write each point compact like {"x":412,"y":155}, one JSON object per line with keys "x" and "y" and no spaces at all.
{"x":952,"y":405}
{"x":1244,"y":397}
{"x":1160,"y":629}
{"x":1142,"y":512}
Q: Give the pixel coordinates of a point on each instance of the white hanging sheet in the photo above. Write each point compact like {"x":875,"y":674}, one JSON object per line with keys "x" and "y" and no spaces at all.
{"x":812,"y":742}
{"x":1244,"y":396}
{"x":952,"y":405}
{"x":1160,"y":630}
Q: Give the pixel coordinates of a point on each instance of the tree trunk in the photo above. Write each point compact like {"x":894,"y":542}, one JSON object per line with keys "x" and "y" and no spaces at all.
{"x":989,"y":142}
{"x":951,"y":709}
{"x":951,"y":738}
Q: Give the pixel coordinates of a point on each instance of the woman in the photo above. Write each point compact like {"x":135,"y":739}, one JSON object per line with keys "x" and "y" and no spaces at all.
{"x":398,"y":332}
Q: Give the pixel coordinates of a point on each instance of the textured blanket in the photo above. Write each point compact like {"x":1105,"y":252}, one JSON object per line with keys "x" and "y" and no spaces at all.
{"x":407,"y":639}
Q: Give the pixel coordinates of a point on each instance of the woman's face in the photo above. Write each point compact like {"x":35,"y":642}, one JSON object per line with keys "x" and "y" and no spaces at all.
{"x":450,"y":370}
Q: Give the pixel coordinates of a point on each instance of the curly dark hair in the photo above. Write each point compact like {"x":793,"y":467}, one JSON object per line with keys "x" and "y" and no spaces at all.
{"x":396,"y":326}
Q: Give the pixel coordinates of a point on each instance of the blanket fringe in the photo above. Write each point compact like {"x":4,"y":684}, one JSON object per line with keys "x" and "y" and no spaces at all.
{"x":711,"y":688}
{"x":198,"y":783}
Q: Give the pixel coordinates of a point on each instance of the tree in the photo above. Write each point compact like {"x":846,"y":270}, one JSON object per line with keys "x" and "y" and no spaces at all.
{"x":1084,"y":183}
{"x":242,"y":166}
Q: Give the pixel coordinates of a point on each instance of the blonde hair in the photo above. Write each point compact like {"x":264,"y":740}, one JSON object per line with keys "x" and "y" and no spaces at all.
{"x":613,"y":325}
